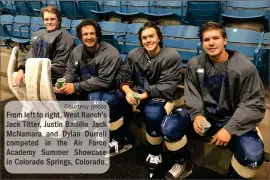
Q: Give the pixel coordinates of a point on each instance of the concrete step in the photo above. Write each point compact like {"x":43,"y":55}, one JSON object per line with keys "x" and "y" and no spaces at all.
{"x":6,"y":96}
{"x":5,"y":91}
{"x":4,"y":84}
{"x":5,"y":54}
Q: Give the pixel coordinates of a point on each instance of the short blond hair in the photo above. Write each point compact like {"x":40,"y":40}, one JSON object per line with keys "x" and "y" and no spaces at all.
{"x":51,"y":9}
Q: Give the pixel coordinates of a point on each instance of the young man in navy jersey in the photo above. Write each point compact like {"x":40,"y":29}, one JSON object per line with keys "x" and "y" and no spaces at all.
{"x":223,"y":87}
{"x":149,"y":79}
{"x":91,"y":72}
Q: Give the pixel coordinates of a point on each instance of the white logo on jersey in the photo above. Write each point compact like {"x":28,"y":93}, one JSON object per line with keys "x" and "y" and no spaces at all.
{"x":159,"y":100}
{"x":200,"y":71}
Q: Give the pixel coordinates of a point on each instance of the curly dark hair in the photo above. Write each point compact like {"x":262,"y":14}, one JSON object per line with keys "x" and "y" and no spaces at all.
{"x":88,"y":22}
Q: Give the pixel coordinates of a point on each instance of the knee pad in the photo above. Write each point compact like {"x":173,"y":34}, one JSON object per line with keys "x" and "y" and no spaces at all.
{"x":111,"y":99}
{"x":184,"y":113}
{"x":120,"y":95}
{"x":125,"y":107}
{"x":238,"y":171}
{"x":114,"y":103}
{"x":173,"y":127}
{"x":94,"y":96}
{"x":154,"y":114}
{"x":249,"y":150}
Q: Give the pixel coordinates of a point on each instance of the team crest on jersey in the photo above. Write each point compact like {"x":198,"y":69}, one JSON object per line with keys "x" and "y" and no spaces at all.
{"x":200,"y":70}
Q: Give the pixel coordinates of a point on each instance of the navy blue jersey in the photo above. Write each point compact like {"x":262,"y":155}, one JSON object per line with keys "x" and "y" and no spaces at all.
{"x":93,"y":72}
{"x":159,"y":76}
{"x":55,"y":45}
{"x":230,"y":94}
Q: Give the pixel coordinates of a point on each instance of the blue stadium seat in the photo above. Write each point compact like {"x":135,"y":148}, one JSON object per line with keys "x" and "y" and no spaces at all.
{"x":264,"y":70}
{"x":110,"y":38}
{"x":109,"y":27}
{"x":54,"y":3}
{"x":113,"y":32}
{"x":74,"y":24}
{"x":72,"y":31}
{"x":6,"y":8}
{"x":184,"y":38}
{"x":7,"y":19}
{"x":110,"y":8}
{"x":201,"y":11}
{"x":77,"y":41}
{"x":21,"y":30}
{"x":247,"y":42}
{"x":244,"y":14}
{"x":20,"y":26}
{"x":85,"y":8}
{"x":243,"y":36}
{"x":167,"y":7}
{"x":247,"y":10}
{"x":134,"y":9}
{"x":137,"y":7}
{"x":266,"y":39}
{"x":131,"y":40}
{"x":36,"y":24}
{"x":23,"y":8}
{"x":35,"y":7}
{"x":69,"y":9}
{"x":4,"y":35}
{"x":167,"y":10}
{"x":116,"y":6}
{"x":66,"y":23}
{"x":247,"y":4}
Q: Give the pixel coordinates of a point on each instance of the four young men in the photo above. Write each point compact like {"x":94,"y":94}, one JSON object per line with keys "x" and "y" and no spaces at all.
{"x":221,"y":86}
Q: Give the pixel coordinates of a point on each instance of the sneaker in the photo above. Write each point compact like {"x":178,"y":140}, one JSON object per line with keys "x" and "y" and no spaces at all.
{"x":118,"y":147}
{"x":180,"y":171}
{"x":154,"y":163}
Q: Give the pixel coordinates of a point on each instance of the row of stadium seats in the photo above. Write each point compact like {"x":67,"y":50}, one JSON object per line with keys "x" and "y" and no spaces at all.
{"x":19,"y":28}
{"x":124,"y":36}
{"x":186,"y":12}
